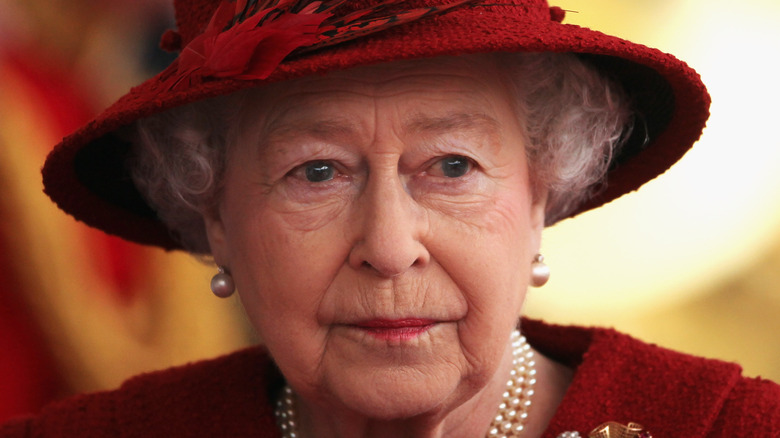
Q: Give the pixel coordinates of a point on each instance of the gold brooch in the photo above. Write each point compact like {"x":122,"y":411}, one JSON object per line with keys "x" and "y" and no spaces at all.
{"x":613,"y":430}
{"x":617,"y":430}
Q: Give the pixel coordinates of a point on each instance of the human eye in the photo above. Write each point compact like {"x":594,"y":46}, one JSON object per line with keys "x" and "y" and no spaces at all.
{"x":316,"y":171}
{"x":451,"y":166}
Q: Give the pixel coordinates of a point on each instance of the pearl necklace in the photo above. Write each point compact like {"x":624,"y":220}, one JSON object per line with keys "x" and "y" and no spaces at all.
{"x":512,"y":412}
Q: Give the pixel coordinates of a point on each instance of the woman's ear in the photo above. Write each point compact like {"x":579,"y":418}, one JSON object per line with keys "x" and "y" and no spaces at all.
{"x":538,"y":213}
{"x":215,"y":233}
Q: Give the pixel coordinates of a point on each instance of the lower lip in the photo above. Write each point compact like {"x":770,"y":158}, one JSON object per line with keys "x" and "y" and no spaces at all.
{"x":397,"y":331}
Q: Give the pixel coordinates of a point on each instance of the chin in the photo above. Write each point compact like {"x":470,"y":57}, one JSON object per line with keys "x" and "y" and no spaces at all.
{"x":401,"y":408}
{"x":393,"y":398}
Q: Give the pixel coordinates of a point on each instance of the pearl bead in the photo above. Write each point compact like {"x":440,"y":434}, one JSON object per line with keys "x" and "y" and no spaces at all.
{"x":540,"y":273}
{"x":222,"y":284}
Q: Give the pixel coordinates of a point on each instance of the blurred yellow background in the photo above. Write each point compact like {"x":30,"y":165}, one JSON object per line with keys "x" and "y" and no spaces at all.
{"x":691,"y":262}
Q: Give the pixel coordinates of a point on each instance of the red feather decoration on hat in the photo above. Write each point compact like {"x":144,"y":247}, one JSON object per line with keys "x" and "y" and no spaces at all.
{"x":248,"y":39}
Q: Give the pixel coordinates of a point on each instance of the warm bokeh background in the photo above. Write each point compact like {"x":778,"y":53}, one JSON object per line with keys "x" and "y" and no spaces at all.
{"x":81,"y":311}
{"x":691,"y":262}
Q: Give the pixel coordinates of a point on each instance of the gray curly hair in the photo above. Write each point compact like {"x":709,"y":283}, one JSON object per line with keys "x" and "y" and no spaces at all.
{"x":574,"y":120}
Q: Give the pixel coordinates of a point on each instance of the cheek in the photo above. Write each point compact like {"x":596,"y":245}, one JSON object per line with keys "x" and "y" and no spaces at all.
{"x":487,"y":256}
{"x":488,"y":263}
{"x":282,"y":261}
{"x":491,"y":240}
{"x":287,"y":271}
{"x":283,"y":277}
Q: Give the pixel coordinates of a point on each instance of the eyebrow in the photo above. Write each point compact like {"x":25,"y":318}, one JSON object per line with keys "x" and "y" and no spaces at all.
{"x":456,"y":121}
{"x":319,"y":129}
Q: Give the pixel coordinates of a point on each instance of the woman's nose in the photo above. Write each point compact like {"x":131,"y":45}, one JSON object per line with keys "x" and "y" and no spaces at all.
{"x":388,"y":228}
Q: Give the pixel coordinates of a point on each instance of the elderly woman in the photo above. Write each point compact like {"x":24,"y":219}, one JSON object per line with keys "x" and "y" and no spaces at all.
{"x":374,"y":179}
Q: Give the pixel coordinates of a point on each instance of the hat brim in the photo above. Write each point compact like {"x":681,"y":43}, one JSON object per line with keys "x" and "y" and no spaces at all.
{"x":86,"y":175}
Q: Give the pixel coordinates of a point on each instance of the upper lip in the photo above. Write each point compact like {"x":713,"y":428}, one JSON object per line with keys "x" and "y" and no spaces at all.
{"x":395,"y":323}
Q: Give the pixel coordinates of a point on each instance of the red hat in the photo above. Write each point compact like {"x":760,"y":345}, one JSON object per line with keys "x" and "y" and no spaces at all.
{"x":230,"y":45}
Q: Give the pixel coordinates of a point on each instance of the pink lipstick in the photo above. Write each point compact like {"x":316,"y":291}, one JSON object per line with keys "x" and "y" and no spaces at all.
{"x":396,"y":329}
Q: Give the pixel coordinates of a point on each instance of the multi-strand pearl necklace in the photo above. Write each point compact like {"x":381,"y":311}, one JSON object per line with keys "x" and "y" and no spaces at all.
{"x":512,"y":412}
{"x":285,"y":414}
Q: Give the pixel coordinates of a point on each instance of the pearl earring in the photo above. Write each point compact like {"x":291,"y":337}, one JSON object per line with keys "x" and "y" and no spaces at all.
{"x":222,"y":283}
{"x":540,"y":272}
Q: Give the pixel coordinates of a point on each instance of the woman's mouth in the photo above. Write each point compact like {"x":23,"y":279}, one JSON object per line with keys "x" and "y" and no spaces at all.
{"x":396,"y":329}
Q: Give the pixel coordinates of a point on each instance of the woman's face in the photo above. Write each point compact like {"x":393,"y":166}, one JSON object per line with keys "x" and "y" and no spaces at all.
{"x":379,"y":226}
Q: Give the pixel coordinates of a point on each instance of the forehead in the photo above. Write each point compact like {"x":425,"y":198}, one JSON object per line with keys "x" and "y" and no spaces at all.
{"x":433,"y":88}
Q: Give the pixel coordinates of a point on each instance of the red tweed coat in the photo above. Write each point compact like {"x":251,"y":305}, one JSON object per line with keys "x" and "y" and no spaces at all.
{"x":617,"y":379}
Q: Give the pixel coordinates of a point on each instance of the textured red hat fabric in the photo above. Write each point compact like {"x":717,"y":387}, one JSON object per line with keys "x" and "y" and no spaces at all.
{"x":86,"y":173}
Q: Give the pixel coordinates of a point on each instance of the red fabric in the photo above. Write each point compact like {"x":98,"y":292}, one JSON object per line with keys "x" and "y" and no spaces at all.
{"x":617,"y":379}
{"x":85,"y":175}
{"x":671,"y":394}
{"x":245,"y":50}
